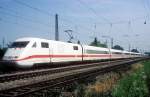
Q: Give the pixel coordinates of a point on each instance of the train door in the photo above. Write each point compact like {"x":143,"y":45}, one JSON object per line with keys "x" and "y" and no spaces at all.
{"x":46,"y":51}
{"x":110,"y":54}
{"x":50,"y":52}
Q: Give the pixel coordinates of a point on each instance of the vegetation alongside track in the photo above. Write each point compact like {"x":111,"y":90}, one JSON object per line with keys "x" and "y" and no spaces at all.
{"x":129,"y":83}
{"x":133,"y":83}
{"x":2,"y":51}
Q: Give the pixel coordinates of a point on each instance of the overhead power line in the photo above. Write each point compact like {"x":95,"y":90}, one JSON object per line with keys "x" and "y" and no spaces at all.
{"x":37,"y":9}
{"x":73,"y":23}
{"x":109,"y":22}
{"x":24,"y":18}
{"x":148,"y":4}
{"x":47,"y":13}
{"x":23,"y":25}
{"x":34,"y":8}
{"x":147,"y":9}
{"x":93,"y":11}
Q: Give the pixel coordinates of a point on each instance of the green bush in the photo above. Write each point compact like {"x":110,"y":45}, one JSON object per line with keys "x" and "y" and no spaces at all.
{"x":80,"y":91}
{"x":132,"y":86}
{"x":2,"y":51}
{"x":136,"y":84}
{"x":147,"y":72}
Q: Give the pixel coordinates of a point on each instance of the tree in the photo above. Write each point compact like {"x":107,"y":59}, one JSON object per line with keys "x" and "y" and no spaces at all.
{"x":97,"y":43}
{"x":118,"y":47}
{"x":2,"y":51}
{"x":147,"y":53}
{"x":135,"y":50}
{"x":78,"y":42}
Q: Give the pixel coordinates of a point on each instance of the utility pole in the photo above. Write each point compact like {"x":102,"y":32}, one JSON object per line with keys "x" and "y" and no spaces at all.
{"x":112,"y":42}
{"x":3,"y":42}
{"x":106,"y":42}
{"x":129,"y":47}
{"x":56,"y":28}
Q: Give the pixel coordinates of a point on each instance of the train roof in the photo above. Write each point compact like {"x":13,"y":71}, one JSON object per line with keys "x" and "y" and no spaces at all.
{"x":126,"y":52}
{"x":94,"y":47}
{"x":114,"y":50}
{"x":47,"y":40}
{"x":30,"y":38}
{"x":41,"y":39}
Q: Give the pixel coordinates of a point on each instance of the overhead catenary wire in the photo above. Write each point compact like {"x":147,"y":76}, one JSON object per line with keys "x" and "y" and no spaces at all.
{"x":68,"y":21}
{"x":34,"y":8}
{"x":105,"y":19}
{"x":148,"y":4}
{"x":49,"y":14}
{"x":24,"y":18}
{"x":146,"y":8}
{"x":93,"y":11}
{"x":23,"y":25}
{"x":40,"y":10}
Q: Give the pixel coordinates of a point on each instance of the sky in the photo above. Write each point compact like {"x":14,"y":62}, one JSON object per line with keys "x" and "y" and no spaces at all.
{"x":122,"y":20}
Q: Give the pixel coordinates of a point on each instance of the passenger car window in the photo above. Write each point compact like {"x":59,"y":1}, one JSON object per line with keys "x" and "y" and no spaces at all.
{"x":44,"y":45}
{"x":34,"y":45}
{"x":96,"y":52}
{"x":116,"y":53}
{"x":19,"y":44}
{"x":75,"y":47}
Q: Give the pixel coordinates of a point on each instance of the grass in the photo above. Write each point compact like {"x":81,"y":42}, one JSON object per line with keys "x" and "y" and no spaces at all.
{"x":134,"y":85}
{"x":147,"y":72}
{"x":101,"y":88}
{"x":106,"y":84}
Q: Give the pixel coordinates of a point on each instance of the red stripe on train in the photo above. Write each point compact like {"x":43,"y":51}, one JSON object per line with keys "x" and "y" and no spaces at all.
{"x":61,"y":56}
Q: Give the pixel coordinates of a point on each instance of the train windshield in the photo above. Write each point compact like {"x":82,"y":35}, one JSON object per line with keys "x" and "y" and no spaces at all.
{"x":20,"y":44}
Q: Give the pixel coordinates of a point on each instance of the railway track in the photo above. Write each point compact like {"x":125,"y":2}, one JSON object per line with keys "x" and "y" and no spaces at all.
{"x":53,"y":78}
{"x":34,"y":73}
{"x":7,"y":71}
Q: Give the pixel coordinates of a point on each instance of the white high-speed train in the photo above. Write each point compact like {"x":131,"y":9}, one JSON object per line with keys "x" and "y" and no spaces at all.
{"x":26,"y":52}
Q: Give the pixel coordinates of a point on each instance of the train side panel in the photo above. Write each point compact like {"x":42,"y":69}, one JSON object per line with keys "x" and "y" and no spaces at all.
{"x":95,"y":53}
{"x":29,"y":51}
{"x":116,"y":54}
{"x":37,"y":52}
{"x":65,"y":52}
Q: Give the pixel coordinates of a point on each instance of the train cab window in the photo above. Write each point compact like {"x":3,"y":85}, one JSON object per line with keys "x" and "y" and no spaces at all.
{"x":75,"y":47}
{"x":34,"y":45}
{"x":19,"y":44}
{"x":44,"y":45}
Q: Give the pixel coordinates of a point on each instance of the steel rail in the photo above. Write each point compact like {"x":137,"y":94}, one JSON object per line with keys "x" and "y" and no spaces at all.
{"x":28,"y":74}
{"x":61,"y":80}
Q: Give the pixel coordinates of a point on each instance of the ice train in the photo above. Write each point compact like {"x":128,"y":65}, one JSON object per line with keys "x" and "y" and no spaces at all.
{"x":28,"y":51}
